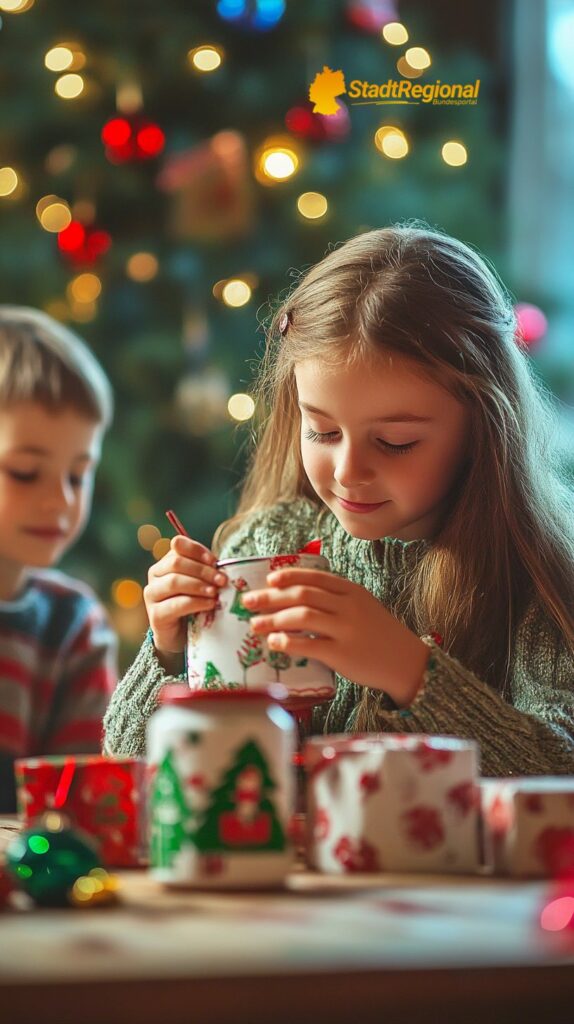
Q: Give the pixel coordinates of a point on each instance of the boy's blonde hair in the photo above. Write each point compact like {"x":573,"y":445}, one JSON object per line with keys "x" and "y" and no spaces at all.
{"x":43,"y":361}
{"x":509,"y":532}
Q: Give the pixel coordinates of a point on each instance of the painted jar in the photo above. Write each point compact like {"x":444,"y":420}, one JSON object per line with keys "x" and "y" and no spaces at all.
{"x":222,"y":652}
{"x":220,"y":788}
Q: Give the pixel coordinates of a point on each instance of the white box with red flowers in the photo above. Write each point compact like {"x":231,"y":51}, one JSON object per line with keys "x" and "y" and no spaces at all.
{"x":529,"y":825}
{"x":392,"y":802}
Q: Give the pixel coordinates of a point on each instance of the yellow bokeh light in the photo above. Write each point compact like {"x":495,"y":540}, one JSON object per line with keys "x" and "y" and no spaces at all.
{"x":454,"y":153}
{"x":395,"y":33}
{"x":236,"y":292}
{"x":83,"y":312}
{"x":68,"y":87}
{"x":58,"y":58}
{"x":58,"y":309}
{"x":205,"y":58}
{"x":84,"y":288}
{"x":279,"y":164}
{"x":312,"y":205}
{"x":241,"y":407}
{"x":404,"y":69}
{"x":84,"y":210}
{"x":127,"y":593}
{"x":142,"y":266}
{"x":8,"y":181}
{"x":392,"y":143}
{"x":147,"y":536}
{"x":161,"y":548}
{"x":55,"y":215}
{"x":418,"y":58}
{"x":16,"y":6}
{"x":138,"y":508}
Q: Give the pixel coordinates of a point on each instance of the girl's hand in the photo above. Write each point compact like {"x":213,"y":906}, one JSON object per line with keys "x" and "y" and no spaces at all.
{"x":183,"y":582}
{"x":354,"y":634}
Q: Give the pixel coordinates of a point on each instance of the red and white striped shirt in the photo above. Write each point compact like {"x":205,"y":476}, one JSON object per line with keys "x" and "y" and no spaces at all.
{"x":58,"y":669}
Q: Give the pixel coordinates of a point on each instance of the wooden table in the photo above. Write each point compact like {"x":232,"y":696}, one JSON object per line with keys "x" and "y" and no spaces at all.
{"x":382,"y":948}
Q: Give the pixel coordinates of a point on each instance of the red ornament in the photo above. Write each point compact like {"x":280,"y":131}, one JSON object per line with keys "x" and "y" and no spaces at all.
{"x":301,"y":121}
{"x":371,"y":15}
{"x":83,"y":245}
{"x":132,"y":138}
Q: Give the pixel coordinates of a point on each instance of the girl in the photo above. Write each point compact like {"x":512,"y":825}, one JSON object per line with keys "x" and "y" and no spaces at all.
{"x":405,"y":427}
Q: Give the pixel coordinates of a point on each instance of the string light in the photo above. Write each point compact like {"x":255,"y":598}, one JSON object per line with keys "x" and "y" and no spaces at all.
{"x":127,"y":593}
{"x":161,"y":548}
{"x":276,"y":160}
{"x":404,"y":69}
{"x":147,"y":536}
{"x":241,"y":407}
{"x":142,"y":266}
{"x":84,"y":288}
{"x":392,"y":142}
{"x":53,"y":213}
{"x":418,"y":58}
{"x":454,"y":153}
{"x":395,"y":33}
{"x":8,"y":181}
{"x":312,"y":205}
{"x":205,"y":58}
{"x":69,"y":87}
{"x":236,"y":292}
{"x":16,"y":6}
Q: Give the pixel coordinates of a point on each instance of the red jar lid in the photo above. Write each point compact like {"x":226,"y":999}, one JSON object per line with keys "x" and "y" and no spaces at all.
{"x":178,"y":693}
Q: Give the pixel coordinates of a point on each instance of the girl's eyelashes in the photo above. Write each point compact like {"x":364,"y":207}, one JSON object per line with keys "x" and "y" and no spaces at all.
{"x":32,"y":477}
{"x":393,"y":449}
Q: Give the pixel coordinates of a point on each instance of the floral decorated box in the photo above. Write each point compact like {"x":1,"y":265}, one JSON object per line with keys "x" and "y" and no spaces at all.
{"x":385,"y":802}
{"x":529,"y":825}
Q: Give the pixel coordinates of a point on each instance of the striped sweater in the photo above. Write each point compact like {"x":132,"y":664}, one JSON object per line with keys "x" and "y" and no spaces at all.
{"x":531,"y":733}
{"x":57,"y":671}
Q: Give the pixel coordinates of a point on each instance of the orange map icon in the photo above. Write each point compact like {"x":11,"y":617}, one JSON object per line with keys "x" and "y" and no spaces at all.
{"x":325,"y":86}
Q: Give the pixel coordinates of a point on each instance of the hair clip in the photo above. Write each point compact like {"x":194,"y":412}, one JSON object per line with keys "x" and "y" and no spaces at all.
{"x":284,"y":322}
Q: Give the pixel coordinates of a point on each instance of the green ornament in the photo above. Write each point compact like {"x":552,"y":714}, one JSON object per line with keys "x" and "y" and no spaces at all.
{"x":46,"y":861}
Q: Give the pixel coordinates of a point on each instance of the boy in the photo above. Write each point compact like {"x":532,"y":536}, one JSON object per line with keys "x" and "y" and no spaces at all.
{"x":57,"y":651}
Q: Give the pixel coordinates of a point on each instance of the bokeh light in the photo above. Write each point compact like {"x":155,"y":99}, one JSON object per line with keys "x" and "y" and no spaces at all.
{"x":236,"y":292}
{"x":241,"y":407}
{"x":59,"y":58}
{"x":205,"y":58}
{"x":312,"y":205}
{"x":395,"y":33}
{"x":127,"y":593}
{"x":8,"y":181}
{"x":418,"y":58}
{"x":69,"y":87}
{"x":142,"y":266}
{"x":148,"y":535}
{"x":454,"y":153}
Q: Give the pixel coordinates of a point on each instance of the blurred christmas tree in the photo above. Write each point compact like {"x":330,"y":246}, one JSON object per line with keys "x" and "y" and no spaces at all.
{"x":163,"y":171}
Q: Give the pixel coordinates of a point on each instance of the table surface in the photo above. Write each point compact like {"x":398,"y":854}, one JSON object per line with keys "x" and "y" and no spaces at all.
{"x":323,"y":948}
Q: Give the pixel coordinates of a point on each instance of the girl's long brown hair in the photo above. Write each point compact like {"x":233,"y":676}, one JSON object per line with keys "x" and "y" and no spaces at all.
{"x":509,"y":533}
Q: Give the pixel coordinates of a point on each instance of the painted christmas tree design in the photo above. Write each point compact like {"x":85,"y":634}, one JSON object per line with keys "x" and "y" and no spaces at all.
{"x":237,"y":606}
{"x":241,"y":816}
{"x":250,"y":653}
{"x":170,"y":815}
{"x":279,"y":661}
{"x":212,"y":678}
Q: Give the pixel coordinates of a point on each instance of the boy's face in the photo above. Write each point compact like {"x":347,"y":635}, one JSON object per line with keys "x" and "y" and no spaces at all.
{"x":348,"y":454}
{"x":47,"y":464}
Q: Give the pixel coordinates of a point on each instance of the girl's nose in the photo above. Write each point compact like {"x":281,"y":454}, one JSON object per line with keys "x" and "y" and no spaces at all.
{"x":351,"y":469}
{"x":59,"y":494}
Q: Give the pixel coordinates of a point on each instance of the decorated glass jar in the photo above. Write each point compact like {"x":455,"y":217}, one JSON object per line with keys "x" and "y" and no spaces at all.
{"x":221,"y":790}
{"x":222,"y":652}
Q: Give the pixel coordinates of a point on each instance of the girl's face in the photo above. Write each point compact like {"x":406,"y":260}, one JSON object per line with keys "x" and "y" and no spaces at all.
{"x":361,"y":442}
{"x":47,"y":463}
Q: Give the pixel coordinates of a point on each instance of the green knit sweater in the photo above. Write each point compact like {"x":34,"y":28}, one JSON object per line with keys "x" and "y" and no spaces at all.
{"x":533,"y":734}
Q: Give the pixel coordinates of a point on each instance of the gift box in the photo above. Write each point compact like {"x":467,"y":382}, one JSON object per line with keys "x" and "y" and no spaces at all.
{"x":385,"y":802}
{"x":102,"y":796}
{"x":529,"y":825}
